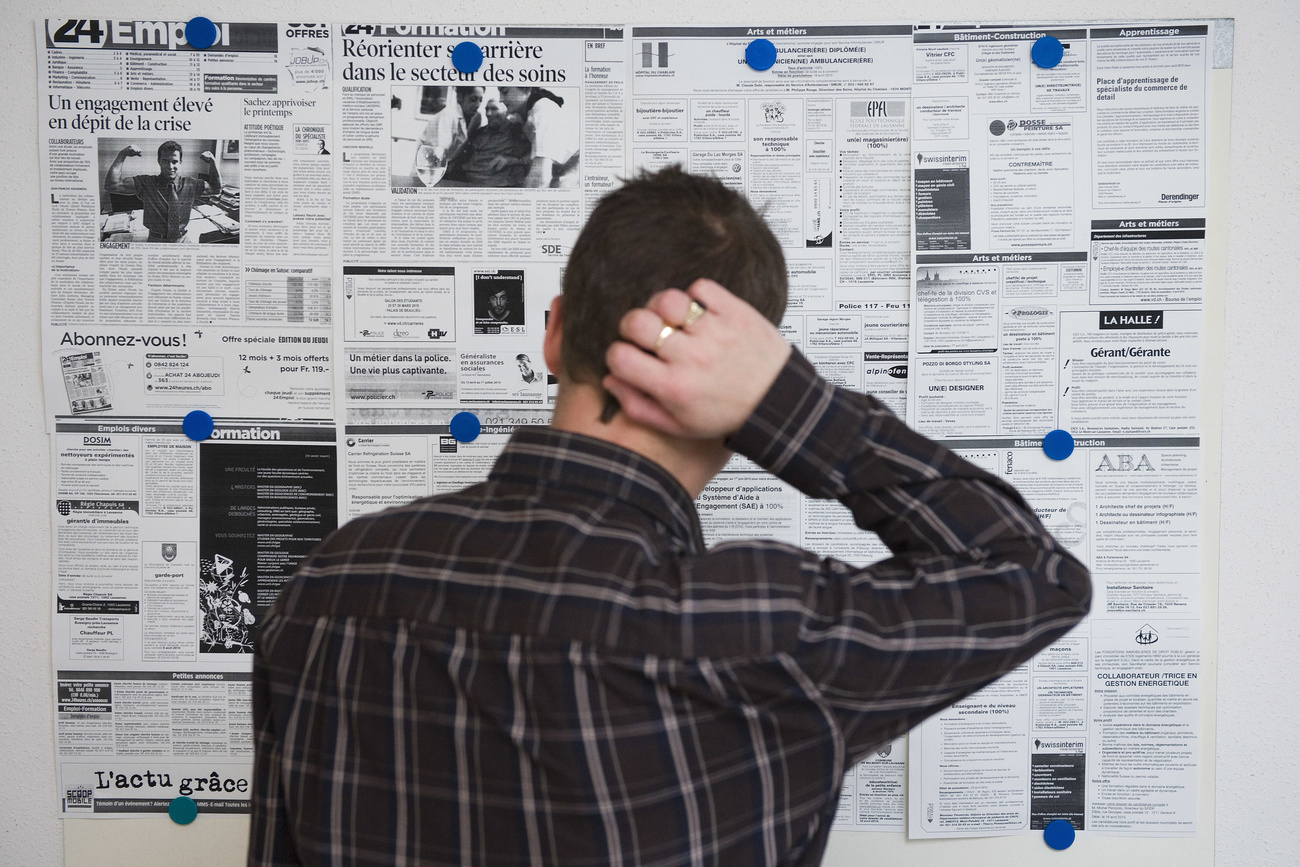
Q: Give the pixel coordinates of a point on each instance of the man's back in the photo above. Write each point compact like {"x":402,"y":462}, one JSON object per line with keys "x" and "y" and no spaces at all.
{"x":549,"y":668}
{"x":514,"y":653}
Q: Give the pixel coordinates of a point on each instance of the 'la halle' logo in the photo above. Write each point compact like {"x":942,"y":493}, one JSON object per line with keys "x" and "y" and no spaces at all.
{"x":1123,"y":319}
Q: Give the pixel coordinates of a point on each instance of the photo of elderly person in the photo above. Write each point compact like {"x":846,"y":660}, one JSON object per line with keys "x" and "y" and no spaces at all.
{"x":553,"y":132}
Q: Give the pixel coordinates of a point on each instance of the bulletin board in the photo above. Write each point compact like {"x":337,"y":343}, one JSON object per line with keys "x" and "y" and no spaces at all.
{"x":341,"y":289}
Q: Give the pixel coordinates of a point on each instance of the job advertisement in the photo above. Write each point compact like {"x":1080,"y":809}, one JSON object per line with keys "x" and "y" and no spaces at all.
{"x":1058,"y":273}
{"x":820,"y":143}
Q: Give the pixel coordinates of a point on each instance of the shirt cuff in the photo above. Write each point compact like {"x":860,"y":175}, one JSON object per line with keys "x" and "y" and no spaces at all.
{"x":805,"y":428}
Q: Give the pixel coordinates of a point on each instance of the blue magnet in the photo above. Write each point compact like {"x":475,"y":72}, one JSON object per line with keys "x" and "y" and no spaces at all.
{"x":467,"y":57}
{"x":1047,"y":51}
{"x":465,"y":425}
{"x":1058,"y":834}
{"x":198,"y":425}
{"x":760,"y":54}
{"x":183,"y":810}
{"x":1058,"y":445}
{"x":200,"y":32}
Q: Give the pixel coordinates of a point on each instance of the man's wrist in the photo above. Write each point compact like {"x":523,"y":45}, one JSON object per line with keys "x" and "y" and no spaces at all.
{"x":801,"y":429}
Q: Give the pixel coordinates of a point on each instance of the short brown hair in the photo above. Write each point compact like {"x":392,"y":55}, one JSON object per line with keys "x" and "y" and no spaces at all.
{"x":658,"y":231}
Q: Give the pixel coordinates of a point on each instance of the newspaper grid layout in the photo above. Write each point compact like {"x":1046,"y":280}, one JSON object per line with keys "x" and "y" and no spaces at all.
{"x":1011,"y":241}
{"x":820,"y":145}
{"x":187,"y":255}
{"x":1059,"y":272}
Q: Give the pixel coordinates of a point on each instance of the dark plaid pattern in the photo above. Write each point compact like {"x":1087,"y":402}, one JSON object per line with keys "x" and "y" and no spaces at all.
{"x":550,"y":668}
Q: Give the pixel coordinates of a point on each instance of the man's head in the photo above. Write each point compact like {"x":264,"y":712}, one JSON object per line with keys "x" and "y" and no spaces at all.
{"x":495,"y":114}
{"x":660,"y":231}
{"x":499,"y":302}
{"x":169,"y":160}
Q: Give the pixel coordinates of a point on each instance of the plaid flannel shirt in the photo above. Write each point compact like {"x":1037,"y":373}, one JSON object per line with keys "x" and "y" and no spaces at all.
{"x":550,"y":668}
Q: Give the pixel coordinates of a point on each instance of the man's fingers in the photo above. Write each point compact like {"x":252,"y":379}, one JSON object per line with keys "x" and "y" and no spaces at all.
{"x":640,"y":407}
{"x":635,"y":367}
{"x":645,"y":328}
{"x":672,"y":305}
{"x":716,"y":298}
{"x":702,"y":380}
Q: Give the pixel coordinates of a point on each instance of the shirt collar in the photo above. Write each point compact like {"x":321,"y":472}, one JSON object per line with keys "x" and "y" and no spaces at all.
{"x":544,"y":455}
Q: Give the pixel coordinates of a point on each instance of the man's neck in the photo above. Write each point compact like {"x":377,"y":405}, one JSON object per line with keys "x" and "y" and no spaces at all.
{"x":692,"y":462}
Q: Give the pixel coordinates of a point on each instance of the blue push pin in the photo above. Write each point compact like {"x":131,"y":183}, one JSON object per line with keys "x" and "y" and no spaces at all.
{"x":467,"y":57}
{"x":200,"y":32}
{"x":760,"y":54}
{"x":465,"y":425}
{"x":1047,"y":51}
{"x":1058,"y":834}
{"x":183,"y":810}
{"x":198,"y":425}
{"x":1058,"y":445}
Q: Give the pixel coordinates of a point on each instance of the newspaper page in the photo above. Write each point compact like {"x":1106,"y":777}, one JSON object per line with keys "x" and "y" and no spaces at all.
{"x":187,"y":201}
{"x":460,"y":197}
{"x":1058,"y":277}
{"x":187,"y":265}
{"x":820,"y":144}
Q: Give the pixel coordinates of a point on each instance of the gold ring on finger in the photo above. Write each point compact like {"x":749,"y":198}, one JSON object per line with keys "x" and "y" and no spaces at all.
{"x":694,"y":312}
{"x":663,"y":335}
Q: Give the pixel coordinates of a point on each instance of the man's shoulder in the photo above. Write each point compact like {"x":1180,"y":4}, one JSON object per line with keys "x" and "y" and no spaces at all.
{"x":361,"y":548}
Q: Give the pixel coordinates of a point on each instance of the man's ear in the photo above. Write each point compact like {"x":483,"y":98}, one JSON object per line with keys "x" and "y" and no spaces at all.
{"x":554,"y":337}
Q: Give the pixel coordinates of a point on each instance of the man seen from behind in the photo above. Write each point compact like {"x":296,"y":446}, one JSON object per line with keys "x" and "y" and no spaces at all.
{"x":551,"y":668}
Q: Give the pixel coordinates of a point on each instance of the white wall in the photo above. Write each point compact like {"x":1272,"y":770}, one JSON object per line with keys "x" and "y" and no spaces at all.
{"x":1257,"y":767}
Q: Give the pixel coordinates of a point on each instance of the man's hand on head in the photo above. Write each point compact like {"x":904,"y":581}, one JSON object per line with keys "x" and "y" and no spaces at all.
{"x":700,"y":381}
